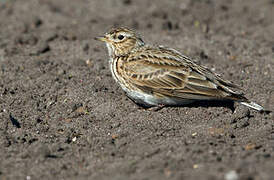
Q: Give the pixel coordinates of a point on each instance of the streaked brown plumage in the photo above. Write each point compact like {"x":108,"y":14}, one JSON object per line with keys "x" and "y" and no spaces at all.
{"x":156,"y":76}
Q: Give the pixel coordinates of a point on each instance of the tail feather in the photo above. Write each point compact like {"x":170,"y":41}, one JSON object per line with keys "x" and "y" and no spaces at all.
{"x":253,"y":105}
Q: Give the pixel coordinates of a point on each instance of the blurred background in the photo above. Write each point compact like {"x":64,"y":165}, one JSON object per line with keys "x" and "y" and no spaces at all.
{"x":63,"y":117}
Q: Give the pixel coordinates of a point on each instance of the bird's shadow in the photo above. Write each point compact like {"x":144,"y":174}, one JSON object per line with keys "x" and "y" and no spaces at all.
{"x":212,"y":103}
{"x":201,"y":103}
{"x":219,"y":103}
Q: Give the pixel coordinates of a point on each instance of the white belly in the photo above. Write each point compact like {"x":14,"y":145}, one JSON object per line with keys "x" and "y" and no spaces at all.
{"x":150,"y":100}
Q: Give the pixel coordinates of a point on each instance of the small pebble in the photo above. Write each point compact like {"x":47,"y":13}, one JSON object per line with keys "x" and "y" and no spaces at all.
{"x":231,"y":175}
{"x":42,"y":48}
{"x":89,"y":62}
{"x":74,"y":139}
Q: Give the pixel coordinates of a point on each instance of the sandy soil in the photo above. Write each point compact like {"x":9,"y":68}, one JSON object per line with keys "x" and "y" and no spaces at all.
{"x":62,"y":116}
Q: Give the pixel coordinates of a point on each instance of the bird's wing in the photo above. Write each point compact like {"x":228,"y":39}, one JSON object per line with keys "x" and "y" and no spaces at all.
{"x":165,"y":72}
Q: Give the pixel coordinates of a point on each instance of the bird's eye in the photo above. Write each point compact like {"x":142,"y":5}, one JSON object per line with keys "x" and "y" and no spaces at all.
{"x":120,"y":37}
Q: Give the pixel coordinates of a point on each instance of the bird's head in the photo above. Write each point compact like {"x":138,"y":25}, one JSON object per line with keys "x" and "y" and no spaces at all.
{"x":121,"y":41}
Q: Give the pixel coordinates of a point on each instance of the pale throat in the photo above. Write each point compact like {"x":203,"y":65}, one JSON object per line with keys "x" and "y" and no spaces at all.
{"x":110,"y":50}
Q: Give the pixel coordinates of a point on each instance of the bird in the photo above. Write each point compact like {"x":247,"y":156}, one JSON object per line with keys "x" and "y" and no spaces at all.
{"x":159,"y":76}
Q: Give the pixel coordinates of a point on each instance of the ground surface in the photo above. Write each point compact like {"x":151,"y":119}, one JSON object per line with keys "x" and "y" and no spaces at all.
{"x":63,"y":117}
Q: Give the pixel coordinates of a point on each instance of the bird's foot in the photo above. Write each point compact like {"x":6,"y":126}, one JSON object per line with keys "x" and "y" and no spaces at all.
{"x":156,"y":108}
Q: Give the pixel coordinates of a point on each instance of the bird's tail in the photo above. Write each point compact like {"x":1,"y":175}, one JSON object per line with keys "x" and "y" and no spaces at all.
{"x":253,"y":105}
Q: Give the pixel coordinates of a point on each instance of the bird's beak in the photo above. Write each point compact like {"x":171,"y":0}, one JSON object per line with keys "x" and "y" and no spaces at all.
{"x":100,"y":38}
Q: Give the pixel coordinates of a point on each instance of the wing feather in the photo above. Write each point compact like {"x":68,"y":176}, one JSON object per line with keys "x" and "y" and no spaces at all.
{"x":169,"y":73}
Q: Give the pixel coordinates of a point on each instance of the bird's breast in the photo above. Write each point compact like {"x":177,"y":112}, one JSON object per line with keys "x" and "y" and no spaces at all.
{"x":117,"y":72}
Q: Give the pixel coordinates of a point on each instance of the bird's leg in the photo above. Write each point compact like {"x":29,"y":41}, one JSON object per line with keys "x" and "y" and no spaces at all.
{"x":156,"y":108}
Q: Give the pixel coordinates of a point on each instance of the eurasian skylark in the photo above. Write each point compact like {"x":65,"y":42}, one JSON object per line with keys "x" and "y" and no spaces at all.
{"x":161,"y":76}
